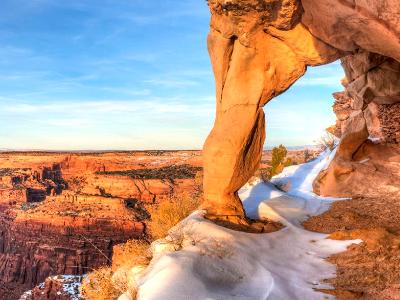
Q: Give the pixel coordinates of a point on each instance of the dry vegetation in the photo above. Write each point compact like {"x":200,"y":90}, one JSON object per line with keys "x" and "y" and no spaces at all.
{"x":11,"y":171}
{"x":169,"y":213}
{"x":371,"y":269}
{"x":110,"y":282}
{"x":327,"y":141}
{"x":130,"y":254}
{"x":279,"y":160}
{"x":168,"y":172}
{"x":98,"y":285}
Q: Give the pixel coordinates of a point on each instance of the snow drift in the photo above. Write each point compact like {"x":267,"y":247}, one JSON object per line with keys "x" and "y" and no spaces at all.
{"x":217,"y":263}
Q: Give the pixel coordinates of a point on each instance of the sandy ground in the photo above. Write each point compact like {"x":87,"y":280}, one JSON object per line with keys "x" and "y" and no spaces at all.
{"x":370,"y":270}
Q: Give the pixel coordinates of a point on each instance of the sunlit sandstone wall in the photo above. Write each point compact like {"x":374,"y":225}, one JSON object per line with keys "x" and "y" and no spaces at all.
{"x":259,"y":48}
{"x":369,"y":107}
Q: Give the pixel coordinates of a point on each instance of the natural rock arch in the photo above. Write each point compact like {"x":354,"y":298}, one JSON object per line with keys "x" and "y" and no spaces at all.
{"x":259,"y":48}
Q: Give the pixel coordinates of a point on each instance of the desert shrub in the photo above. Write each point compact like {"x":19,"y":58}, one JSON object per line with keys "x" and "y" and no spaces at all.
{"x":279,"y":161}
{"x":98,"y":285}
{"x":327,"y":141}
{"x":28,"y":206}
{"x":131,"y":253}
{"x":12,"y":171}
{"x":77,"y":184}
{"x":170,"y":212}
{"x":169,"y":172}
{"x":307,"y":155}
{"x":108,"y":283}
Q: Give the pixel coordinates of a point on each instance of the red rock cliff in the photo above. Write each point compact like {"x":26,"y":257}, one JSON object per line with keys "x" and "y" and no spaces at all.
{"x":56,"y":238}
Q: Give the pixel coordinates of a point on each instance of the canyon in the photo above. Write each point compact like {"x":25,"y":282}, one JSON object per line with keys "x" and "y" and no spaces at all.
{"x":62,"y":213}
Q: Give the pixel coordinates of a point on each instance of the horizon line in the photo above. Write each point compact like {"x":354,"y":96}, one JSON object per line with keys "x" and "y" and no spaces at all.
{"x":10,"y":150}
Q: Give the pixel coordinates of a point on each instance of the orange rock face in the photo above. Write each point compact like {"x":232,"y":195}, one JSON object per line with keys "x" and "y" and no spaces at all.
{"x":55,"y":287}
{"x":369,"y":107}
{"x":371,"y":25}
{"x":62,"y":213}
{"x":61,"y":236}
{"x":373,"y":171}
{"x":259,"y":48}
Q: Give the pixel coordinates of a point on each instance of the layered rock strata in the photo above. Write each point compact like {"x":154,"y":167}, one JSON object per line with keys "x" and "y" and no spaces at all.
{"x":47,"y":230}
{"x":56,"y":238}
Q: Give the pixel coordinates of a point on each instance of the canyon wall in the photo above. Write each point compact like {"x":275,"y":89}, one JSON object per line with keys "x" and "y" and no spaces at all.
{"x":31,"y":249}
{"x":63,"y":213}
{"x":259,"y":48}
{"x":42,"y":233}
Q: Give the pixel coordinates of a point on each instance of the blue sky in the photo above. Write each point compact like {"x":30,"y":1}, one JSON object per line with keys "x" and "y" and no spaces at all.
{"x":128,"y":74}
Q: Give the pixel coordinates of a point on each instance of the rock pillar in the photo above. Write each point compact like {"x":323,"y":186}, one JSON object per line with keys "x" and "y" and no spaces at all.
{"x":257,"y":53}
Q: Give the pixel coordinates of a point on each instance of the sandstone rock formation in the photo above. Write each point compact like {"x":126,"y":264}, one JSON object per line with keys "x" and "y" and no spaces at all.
{"x":259,"y":48}
{"x":368,"y":108}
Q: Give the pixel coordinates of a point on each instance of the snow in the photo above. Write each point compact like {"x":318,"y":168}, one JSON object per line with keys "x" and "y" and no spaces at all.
{"x":70,"y":287}
{"x":26,"y":296}
{"x":218,"y":263}
{"x":375,"y":139}
{"x":302,"y":176}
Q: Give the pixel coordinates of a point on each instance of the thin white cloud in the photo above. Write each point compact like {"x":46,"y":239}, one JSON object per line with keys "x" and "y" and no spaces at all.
{"x":65,"y":122}
{"x":157,"y":105}
{"x":127,"y":91}
{"x":141,"y":57}
{"x":321,"y":81}
{"x":172,"y":83}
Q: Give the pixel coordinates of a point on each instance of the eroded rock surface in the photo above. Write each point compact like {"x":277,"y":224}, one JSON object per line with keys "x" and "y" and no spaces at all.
{"x":62,"y":287}
{"x":351,"y":25}
{"x":368,"y":108}
{"x":61,"y":236}
{"x":259,"y":48}
{"x":62,"y":213}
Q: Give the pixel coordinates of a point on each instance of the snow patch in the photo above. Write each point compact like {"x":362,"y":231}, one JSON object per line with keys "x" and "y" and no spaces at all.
{"x":218,"y":263}
{"x":70,"y":287}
